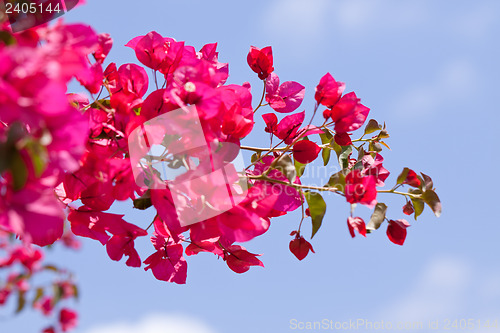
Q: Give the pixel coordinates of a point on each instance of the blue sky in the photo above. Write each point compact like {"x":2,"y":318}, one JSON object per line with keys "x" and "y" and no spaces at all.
{"x":430,"y":70}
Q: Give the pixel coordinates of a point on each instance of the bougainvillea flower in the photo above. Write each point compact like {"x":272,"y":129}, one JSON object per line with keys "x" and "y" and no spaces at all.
{"x":92,"y":79}
{"x":305,"y":151}
{"x":261,"y":61}
{"x":123,"y":245}
{"x":164,"y":203}
{"x":105,"y":43}
{"x":159,"y":53}
{"x":361,"y":189}
{"x":328,"y":91}
{"x":286,"y":97}
{"x":396,"y":231}
{"x":373,"y":166}
{"x":133,"y":79}
{"x":348,"y":113}
{"x":45,"y":305}
{"x":36,"y":215}
{"x":4,"y":294}
{"x":356,"y":224}
{"x":28,"y":257}
{"x":271,"y":122}
{"x":167,"y":263}
{"x":96,"y":225}
{"x":68,"y":319}
{"x":150,"y":50}
{"x":236,"y":105}
{"x":50,"y":329}
{"x":210,"y":245}
{"x":288,"y":126}
{"x":408,"y":208}
{"x":241,"y":225}
{"x":288,"y":198}
{"x":239,"y":260}
{"x":412,"y":178}
{"x":300,"y":247}
{"x":342,"y":139}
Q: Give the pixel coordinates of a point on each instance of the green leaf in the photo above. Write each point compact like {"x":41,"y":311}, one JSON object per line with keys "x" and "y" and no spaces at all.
{"x":5,"y":152}
{"x":337,"y":180}
{"x":361,"y":153}
{"x":344,"y":156}
{"x":378,"y":217}
{"x":429,"y":184}
{"x":336,"y":147}
{"x":50,"y":268}
{"x":7,"y":38}
{"x":38,"y":295}
{"x":432,"y":200}
{"x":255,"y":157}
{"x":76,"y":291}
{"x":144,"y":202}
{"x":325,"y":154}
{"x":372,"y":126}
{"x":383,"y":134}
{"x":21,"y":301}
{"x":402,"y":176}
{"x":326,"y":138}
{"x":317,"y":209}
{"x":58,"y":294}
{"x":38,"y":155}
{"x":375,"y":146}
{"x":106,"y":103}
{"x":19,"y":171}
{"x":299,"y":168}
{"x":418,"y":205}
{"x":286,"y":166}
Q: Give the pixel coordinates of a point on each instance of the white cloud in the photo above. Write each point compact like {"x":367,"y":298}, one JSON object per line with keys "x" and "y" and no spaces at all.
{"x":356,"y":15}
{"x":448,"y":288}
{"x":456,"y":81}
{"x":157,"y":323}
{"x":295,"y":18}
{"x":477,"y":22}
{"x":322,"y":18}
{"x":438,"y":293}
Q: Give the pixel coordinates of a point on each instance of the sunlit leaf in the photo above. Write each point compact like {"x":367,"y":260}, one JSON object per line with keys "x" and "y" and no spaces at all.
{"x":317,"y":209}
{"x":378,"y":217}
{"x":432,"y":200}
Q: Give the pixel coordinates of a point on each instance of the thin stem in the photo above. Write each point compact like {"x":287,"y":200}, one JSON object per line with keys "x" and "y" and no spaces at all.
{"x":296,"y":186}
{"x":314,"y":114}
{"x":260,"y":159}
{"x":151,"y":224}
{"x":303,"y":214}
{"x":280,"y":149}
{"x":257,"y":149}
{"x":400,"y":193}
{"x":156,"y":79}
{"x":262,"y":98}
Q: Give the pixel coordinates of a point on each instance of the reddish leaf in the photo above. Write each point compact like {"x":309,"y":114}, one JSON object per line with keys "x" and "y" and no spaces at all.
{"x":261,"y":61}
{"x":328,"y":91}
{"x":305,"y":151}
{"x":356,"y":224}
{"x":300,"y":247}
{"x":408,"y":208}
{"x":396,"y":231}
